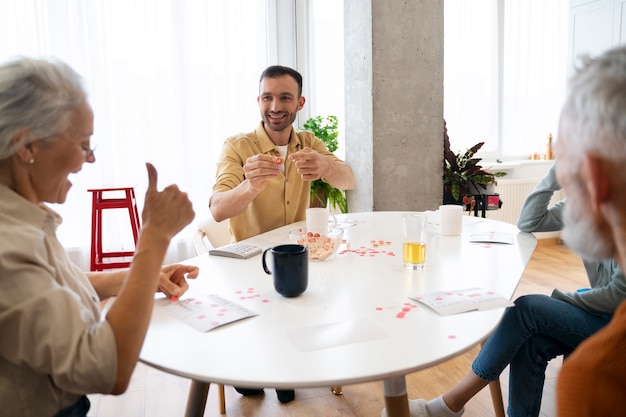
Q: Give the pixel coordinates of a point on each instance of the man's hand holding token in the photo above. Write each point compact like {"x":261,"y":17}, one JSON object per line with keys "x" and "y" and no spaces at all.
{"x":310,"y":164}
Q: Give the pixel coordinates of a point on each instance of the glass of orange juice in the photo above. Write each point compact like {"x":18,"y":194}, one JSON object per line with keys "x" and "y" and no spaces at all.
{"x":414,"y":239}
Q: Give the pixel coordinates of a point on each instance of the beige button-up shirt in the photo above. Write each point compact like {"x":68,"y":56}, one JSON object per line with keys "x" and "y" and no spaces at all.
{"x":54,"y":347}
{"x":286,"y":197}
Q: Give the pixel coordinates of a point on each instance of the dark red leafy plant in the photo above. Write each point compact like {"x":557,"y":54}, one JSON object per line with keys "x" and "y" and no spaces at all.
{"x":461,"y":172}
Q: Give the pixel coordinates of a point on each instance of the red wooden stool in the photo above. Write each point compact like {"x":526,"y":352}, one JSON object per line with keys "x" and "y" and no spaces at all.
{"x":101,"y":203}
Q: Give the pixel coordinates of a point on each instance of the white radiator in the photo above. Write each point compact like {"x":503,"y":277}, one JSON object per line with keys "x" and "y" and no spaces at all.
{"x":513,"y":192}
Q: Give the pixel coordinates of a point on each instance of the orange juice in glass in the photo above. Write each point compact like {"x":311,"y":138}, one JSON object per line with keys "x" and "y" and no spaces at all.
{"x":414,"y":253}
{"x":414,"y":240}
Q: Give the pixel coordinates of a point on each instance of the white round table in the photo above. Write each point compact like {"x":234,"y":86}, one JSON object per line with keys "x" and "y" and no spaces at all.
{"x":355,"y":323}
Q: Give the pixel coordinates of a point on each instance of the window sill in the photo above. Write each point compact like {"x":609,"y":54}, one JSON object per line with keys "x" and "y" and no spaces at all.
{"x":520,"y":169}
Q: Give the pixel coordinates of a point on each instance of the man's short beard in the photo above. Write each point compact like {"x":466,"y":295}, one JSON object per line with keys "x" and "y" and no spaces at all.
{"x":584,"y":237}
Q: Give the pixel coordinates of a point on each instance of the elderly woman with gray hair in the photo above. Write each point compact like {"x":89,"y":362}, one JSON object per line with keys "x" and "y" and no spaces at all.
{"x":55,"y":347}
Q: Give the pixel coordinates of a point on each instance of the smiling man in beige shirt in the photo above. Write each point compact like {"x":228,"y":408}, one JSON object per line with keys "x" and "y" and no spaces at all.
{"x":263,"y":177}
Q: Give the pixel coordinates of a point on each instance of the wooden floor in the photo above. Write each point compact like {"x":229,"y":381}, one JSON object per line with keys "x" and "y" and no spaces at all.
{"x":153,"y":393}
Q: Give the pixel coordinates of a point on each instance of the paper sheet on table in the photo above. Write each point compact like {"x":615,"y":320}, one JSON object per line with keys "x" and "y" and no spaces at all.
{"x":460,"y":301}
{"x":208,"y":312}
{"x":492,"y":237}
{"x":324,"y":336}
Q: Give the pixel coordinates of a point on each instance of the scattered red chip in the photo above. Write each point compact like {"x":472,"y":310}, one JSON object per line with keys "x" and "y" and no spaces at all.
{"x":174,"y":298}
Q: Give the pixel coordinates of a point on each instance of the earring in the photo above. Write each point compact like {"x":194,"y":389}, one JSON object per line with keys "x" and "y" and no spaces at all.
{"x":31,"y":161}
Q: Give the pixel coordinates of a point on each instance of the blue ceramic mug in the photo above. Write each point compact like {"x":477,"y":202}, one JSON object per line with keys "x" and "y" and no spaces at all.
{"x":290,"y":269}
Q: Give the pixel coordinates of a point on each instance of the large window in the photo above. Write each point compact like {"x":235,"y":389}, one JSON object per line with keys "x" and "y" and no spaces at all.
{"x":169,"y":80}
{"x":320,"y":58}
{"x":505,"y":73}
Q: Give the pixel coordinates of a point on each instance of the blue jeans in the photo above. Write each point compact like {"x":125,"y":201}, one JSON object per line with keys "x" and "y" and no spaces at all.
{"x":537,"y":329}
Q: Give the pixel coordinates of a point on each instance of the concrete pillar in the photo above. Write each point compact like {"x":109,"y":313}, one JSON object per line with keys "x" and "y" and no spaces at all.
{"x":394,"y":103}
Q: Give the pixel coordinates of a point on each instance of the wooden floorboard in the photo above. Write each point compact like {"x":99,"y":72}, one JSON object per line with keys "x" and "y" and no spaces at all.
{"x":153,"y":393}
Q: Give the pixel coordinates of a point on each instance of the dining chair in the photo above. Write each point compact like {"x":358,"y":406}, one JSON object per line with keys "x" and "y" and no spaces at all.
{"x":212,"y":234}
{"x":496,"y":398}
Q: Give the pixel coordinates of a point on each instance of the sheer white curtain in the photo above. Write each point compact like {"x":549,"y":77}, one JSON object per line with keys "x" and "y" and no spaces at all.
{"x":168,"y":80}
{"x":505,"y":73}
{"x":323,"y":63}
{"x":470,"y":72}
{"x":535,"y":73}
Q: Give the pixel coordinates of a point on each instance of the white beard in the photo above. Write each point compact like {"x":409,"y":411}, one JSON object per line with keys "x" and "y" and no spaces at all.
{"x":582,"y":235}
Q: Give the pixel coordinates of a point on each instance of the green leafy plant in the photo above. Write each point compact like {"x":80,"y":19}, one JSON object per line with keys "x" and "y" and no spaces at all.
{"x":326,"y":129}
{"x":461,"y":171}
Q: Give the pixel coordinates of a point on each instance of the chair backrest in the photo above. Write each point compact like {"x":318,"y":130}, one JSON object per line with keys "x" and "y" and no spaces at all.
{"x":210,"y":234}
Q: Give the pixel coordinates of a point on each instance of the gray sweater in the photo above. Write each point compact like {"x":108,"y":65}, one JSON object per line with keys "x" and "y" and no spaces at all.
{"x":608,"y":284}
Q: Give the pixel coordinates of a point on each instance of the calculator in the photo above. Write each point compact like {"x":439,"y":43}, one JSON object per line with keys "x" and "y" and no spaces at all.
{"x":237,"y":250}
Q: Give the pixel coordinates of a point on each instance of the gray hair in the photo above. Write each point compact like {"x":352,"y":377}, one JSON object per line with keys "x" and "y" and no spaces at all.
{"x":36,"y":95}
{"x":593,"y":118}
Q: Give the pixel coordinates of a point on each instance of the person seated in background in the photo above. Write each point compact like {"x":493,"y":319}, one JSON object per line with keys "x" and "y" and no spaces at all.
{"x":606,"y":279}
{"x":263,"y":177}
{"x":538,"y":328}
{"x":55,"y":346}
{"x":592,"y":170}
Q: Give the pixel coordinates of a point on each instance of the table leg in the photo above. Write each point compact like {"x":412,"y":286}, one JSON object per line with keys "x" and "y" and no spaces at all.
{"x":222,"y":399}
{"x":396,"y":400}
{"x":196,"y":400}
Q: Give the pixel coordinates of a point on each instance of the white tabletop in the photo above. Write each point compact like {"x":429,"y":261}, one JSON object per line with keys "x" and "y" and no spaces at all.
{"x":355,"y":322}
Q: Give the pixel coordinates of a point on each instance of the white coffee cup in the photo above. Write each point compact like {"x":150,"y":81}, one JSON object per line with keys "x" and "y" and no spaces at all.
{"x":450,"y":219}
{"x":317,"y":219}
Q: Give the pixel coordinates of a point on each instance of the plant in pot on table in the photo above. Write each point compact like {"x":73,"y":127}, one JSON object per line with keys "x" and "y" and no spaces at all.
{"x":325,"y":128}
{"x":463,"y":177}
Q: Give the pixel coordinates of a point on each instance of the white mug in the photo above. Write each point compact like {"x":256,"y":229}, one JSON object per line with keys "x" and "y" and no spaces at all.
{"x":317,"y":219}
{"x":450,"y":219}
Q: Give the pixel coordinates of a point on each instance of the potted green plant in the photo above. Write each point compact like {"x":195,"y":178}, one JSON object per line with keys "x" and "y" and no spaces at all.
{"x":326,"y":129}
{"x":462,"y":174}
